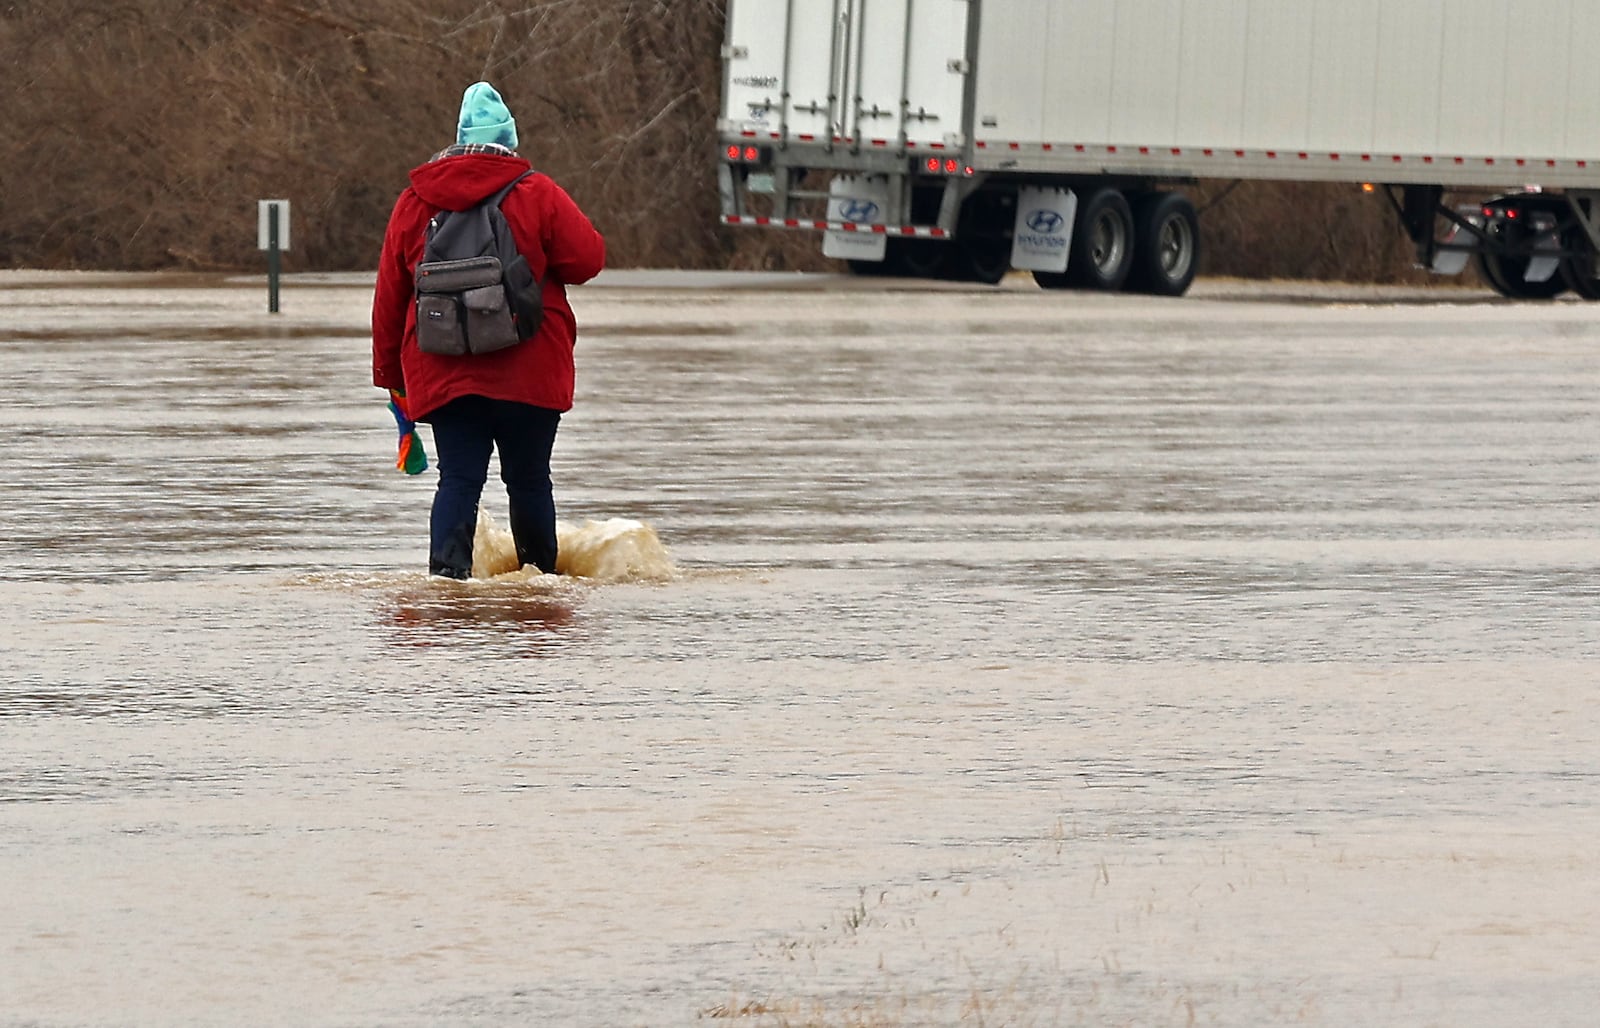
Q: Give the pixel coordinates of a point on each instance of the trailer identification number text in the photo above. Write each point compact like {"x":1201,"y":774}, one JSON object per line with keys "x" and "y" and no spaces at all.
{"x":757,"y":81}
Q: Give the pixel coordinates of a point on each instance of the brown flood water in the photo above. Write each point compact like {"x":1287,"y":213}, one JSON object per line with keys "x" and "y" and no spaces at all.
{"x":935,"y":655}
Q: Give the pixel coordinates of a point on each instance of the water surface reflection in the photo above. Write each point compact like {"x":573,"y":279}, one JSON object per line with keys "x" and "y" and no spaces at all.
{"x":1088,"y":660}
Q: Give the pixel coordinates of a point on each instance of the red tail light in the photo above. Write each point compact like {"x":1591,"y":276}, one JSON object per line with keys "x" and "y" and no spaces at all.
{"x":744,"y":153}
{"x":936,"y":165}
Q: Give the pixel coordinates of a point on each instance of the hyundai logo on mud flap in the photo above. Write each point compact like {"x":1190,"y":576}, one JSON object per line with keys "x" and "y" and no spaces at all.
{"x":1044,"y":230}
{"x":1046,"y":223}
{"x":859,"y":212}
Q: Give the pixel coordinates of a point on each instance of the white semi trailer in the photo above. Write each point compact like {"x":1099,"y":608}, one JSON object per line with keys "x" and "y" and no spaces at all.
{"x":968,"y":137}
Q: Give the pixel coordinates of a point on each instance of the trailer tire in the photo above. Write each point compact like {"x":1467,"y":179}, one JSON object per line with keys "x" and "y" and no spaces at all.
{"x":983,"y":237}
{"x":918,"y":258}
{"x":1577,"y":271}
{"x":984,"y":260}
{"x":1166,"y":248}
{"x":1102,"y":242}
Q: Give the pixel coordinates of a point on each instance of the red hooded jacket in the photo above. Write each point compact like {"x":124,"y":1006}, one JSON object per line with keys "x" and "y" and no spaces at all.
{"x":562,"y":249}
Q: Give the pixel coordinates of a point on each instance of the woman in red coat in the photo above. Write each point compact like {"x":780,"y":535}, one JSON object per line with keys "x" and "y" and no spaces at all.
{"x":510,"y":400}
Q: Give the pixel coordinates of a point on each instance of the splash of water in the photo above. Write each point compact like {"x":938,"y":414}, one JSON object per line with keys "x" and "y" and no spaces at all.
{"x":614,"y":550}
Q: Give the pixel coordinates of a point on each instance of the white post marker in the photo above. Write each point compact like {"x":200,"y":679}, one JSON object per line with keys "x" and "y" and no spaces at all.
{"x":272,"y":235}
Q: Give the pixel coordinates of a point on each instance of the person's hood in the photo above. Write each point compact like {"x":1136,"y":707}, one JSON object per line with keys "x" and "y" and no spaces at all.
{"x":457,"y":183}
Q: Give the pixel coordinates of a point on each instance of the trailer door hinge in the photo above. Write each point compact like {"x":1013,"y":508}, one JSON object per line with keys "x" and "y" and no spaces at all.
{"x":735,"y":53}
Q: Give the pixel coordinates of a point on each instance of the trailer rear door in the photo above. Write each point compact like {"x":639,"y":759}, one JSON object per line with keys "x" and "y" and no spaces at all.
{"x":875,"y":73}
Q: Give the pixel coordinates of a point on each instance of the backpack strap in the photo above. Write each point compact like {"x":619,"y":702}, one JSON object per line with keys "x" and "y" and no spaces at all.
{"x":437,"y":221}
{"x":526,"y":294}
{"x":498,"y":198}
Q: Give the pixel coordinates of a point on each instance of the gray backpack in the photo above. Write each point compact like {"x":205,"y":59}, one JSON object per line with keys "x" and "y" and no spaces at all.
{"x":475,"y":292}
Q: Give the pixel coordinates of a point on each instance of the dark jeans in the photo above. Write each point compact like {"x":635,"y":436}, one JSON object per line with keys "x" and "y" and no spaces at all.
{"x":464,"y":432}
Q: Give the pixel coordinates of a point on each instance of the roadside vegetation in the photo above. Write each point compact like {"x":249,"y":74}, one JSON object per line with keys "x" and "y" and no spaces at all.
{"x":139,"y":134}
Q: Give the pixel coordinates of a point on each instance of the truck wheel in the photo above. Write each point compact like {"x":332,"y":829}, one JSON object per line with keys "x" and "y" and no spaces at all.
{"x":1578,"y":270}
{"x":1505,"y":276}
{"x":984,"y":259}
{"x":917,"y":258}
{"x":1577,"y":273}
{"x":867,"y":269}
{"x":983,"y":237}
{"x":1102,"y":242}
{"x":1166,"y":249}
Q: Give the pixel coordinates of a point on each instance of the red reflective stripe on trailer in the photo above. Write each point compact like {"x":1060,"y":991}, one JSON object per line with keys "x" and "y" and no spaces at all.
{"x":791,"y":222}
{"x":1271,"y":155}
{"x":879,"y":229}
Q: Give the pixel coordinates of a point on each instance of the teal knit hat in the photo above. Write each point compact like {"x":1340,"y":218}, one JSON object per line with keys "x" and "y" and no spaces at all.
{"x":484,"y":118}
